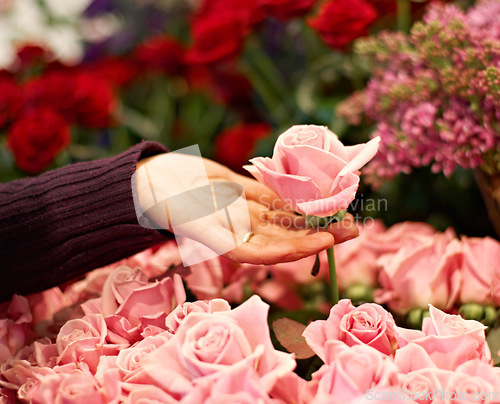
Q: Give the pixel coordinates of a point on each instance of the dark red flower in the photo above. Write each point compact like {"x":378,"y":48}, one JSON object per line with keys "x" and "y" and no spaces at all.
{"x":161,"y":54}
{"x":288,"y":9}
{"x":339,"y":22}
{"x":118,"y":71}
{"x":29,"y":55}
{"x":11,"y":100}
{"x":36,"y":138}
{"x":217,"y":37}
{"x":94,"y":101}
{"x":235,"y":145}
{"x":252,"y":11}
{"x":79,"y":97}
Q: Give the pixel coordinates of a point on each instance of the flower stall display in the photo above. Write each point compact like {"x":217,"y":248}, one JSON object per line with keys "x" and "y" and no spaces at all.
{"x":327,"y":103}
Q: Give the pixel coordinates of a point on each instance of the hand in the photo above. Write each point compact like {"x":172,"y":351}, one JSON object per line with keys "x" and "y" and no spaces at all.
{"x":279,"y":235}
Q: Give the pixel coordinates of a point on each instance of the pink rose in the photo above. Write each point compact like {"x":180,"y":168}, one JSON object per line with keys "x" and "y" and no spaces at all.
{"x":69,"y":384}
{"x":474,"y":381}
{"x":356,"y":259}
{"x":179,"y":314}
{"x":369,"y":324}
{"x":422,"y":385}
{"x":312,"y":170}
{"x":283,"y":287}
{"x":239,"y":387}
{"x":84,"y":340}
{"x":481,"y":261}
{"x":222,"y":278}
{"x":14,"y":328}
{"x":354,"y":371}
{"x":119,"y":284}
{"x":129,"y":359}
{"x":147,"y":394}
{"x":426,"y":270}
{"x":207,"y":345}
{"x":448,"y":340}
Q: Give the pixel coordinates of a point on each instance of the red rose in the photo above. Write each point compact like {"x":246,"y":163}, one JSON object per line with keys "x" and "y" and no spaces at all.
{"x":83,"y":98}
{"x":36,"y":138}
{"x":29,"y":55}
{"x":340,"y":22}
{"x":217,"y":37}
{"x":11,"y":100}
{"x":252,"y":11}
{"x":115,"y":70}
{"x":235,"y":145}
{"x":161,"y":54}
{"x":288,"y":9}
{"x":93,"y":101}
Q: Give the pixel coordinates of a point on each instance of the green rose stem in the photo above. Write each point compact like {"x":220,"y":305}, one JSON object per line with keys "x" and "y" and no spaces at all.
{"x":324,"y":222}
{"x":333,"y":275}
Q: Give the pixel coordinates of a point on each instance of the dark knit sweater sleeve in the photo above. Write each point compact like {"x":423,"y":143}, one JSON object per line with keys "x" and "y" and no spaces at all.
{"x":66,"y":222}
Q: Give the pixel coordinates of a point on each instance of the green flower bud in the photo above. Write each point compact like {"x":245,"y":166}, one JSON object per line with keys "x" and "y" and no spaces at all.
{"x":359,"y":294}
{"x":475,"y":311}
{"x":415,"y":317}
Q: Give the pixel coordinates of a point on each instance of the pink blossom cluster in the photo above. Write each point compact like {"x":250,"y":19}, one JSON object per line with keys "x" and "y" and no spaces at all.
{"x":139,"y":341}
{"x":408,"y":265}
{"x":435,"y":93}
{"x":366,"y":355}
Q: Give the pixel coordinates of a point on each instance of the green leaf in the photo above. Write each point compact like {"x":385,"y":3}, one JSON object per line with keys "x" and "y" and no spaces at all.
{"x":289,"y":334}
{"x":493,"y":340}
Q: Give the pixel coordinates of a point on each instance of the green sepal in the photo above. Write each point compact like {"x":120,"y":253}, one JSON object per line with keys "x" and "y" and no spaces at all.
{"x":323,"y":222}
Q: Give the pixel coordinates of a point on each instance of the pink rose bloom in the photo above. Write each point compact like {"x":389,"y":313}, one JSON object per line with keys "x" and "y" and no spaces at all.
{"x":45,"y":304}
{"x":84,"y":341}
{"x":147,"y":394}
{"x":179,"y":314}
{"x":222,"y":278}
{"x":157,"y":260}
{"x":481,"y":262}
{"x":119,"y":285}
{"x":426,"y":270}
{"x":283,"y":288}
{"x":70,"y":385}
{"x":14,"y":328}
{"x":312,"y":170}
{"x":354,"y":371}
{"x":368,"y":324}
{"x":422,"y":385}
{"x":356,"y":259}
{"x":239,"y":387}
{"x":129,"y":359}
{"x":207,"y":345}
{"x":478,"y":380}
{"x":448,"y":340}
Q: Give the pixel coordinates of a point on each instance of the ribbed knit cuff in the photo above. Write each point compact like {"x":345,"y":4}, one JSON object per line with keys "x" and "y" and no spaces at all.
{"x":61,"y":224}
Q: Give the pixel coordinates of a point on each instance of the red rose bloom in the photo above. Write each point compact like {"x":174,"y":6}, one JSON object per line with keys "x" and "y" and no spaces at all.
{"x":11,"y":100}
{"x":161,"y":54}
{"x":217,"y":37}
{"x":235,"y":145}
{"x":93,"y":101}
{"x":288,"y":9}
{"x":36,"y":138}
{"x":115,"y":70}
{"x":252,"y":11}
{"x":340,"y":22}
{"x":79,"y":97}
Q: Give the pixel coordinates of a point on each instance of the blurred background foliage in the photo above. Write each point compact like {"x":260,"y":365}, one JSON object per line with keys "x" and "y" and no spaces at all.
{"x":187,"y":72}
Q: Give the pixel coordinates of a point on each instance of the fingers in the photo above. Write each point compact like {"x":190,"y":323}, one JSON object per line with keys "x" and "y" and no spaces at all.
{"x":344,"y":230}
{"x":264,"y":250}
